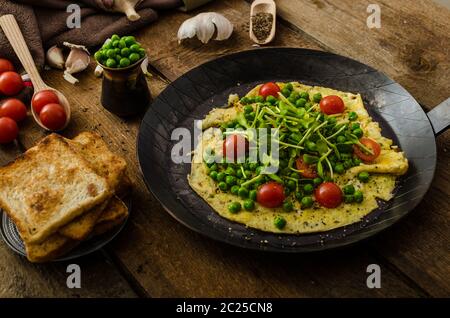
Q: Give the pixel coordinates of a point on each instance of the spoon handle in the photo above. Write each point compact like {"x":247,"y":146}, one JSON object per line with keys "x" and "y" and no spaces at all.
{"x":15,"y":37}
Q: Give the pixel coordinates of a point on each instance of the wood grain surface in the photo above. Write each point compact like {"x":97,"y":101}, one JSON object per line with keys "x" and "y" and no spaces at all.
{"x":155,"y":256}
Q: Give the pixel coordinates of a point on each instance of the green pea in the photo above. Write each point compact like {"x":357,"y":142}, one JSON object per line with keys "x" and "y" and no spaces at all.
{"x":298,"y":195}
{"x":287,"y":191}
{"x":358,"y":196}
{"x":286,"y":92}
{"x":230,"y":180}
{"x":348,"y":164}
{"x":355,"y":126}
{"x":130,"y":40}
{"x":259,"y":99}
{"x":253,"y":165}
{"x":291,"y":100}
{"x":339,"y":168}
{"x":135,"y":48}
{"x":107,"y":45}
{"x":304,"y":95}
{"x":271,"y":99}
{"x":289,"y":86}
{"x":311,"y":146}
{"x":213,"y":167}
{"x":115,"y":43}
{"x":230,"y":171}
{"x":358,"y":132}
{"x":349,"y":189}
{"x":288,"y":206}
{"x":221,"y":176}
{"x":118,"y":58}
{"x":235,"y":189}
{"x":341,"y":139}
{"x":111,"y":63}
{"x":352,"y":116}
{"x":111,"y":53}
{"x":248,"y":109}
{"x":115,"y":37}
{"x":125,"y":51}
{"x":251,"y":99}
{"x":134,"y":57}
{"x":122,"y":44}
{"x":223,"y":186}
{"x":291,"y":184}
{"x":308,"y":105}
{"x":317,"y":181}
{"x":307,"y":202}
{"x":250,"y":116}
{"x":252,"y":195}
{"x":117,"y":51}
{"x":142,"y":52}
{"x":317,"y":97}
{"x":124,"y":62}
{"x":234,"y":207}
{"x":259,"y":169}
{"x":279,"y":222}
{"x":231,"y":124}
{"x":348,"y":198}
{"x":308,"y":188}
{"x":356,"y":161}
{"x":363,"y":176}
{"x":331,"y":120}
{"x":301,"y":102}
{"x":244,"y":100}
{"x":213,"y":175}
{"x":295,"y":175}
{"x":249,"y":204}
{"x":243,"y":193}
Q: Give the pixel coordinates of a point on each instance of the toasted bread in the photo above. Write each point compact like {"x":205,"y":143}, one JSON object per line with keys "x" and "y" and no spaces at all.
{"x":49,"y":186}
{"x":53,"y":247}
{"x":114,"y":214}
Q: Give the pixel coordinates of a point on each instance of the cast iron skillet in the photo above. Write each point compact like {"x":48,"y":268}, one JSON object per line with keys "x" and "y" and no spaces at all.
{"x":194,"y":94}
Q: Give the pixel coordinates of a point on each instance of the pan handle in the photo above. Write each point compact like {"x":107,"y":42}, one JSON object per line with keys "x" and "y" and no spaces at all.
{"x":439,"y":117}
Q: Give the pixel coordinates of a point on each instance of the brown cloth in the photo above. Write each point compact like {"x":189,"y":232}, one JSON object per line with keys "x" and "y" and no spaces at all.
{"x":43,"y":23}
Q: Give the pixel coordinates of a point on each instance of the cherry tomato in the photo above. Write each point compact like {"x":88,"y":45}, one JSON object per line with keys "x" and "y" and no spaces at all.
{"x":328,"y":194}
{"x":43,"y":98}
{"x":10,"y":83}
{"x":270,"y":194}
{"x":269,"y":89}
{"x":372,"y":145}
{"x":307,"y":171}
{"x":332,"y":104}
{"x":235,"y":146}
{"x":53,"y":116}
{"x":14,"y":109}
{"x":6,"y":66}
{"x":8,"y":130}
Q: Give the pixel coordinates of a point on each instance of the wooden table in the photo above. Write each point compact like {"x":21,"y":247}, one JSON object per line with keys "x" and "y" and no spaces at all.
{"x":155,"y":256}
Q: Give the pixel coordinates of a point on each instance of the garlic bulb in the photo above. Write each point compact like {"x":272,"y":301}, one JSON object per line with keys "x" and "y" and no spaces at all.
{"x":203,"y":25}
{"x":77,"y":61}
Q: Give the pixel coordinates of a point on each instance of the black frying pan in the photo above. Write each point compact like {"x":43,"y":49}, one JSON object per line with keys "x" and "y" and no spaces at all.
{"x":194,"y":94}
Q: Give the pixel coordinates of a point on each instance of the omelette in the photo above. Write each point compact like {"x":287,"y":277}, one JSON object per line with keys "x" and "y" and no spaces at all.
{"x":333,"y":166}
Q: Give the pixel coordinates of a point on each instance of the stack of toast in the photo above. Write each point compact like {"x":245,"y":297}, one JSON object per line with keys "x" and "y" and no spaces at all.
{"x":62,"y":192}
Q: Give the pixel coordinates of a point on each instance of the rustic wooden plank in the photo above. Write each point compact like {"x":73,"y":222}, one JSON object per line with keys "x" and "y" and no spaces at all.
{"x":20,"y":278}
{"x":413,"y":47}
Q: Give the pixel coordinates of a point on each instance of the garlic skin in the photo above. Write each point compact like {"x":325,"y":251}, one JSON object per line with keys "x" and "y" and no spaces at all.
{"x":77,"y":61}
{"x":203,"y":25}
{"x":55,"y":57}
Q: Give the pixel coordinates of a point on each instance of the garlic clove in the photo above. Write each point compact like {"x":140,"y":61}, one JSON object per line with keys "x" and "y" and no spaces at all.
{"x":187,"y":29}
{"x":70,"y":78}
{"x":98,"y":71}
{"x":55,"y":57}
{"x":77,"y":61}
{"x":204,"y":25}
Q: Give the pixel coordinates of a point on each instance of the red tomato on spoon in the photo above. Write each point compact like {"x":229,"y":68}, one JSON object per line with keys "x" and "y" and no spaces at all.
{"x":42,"y":98}
{"x":53,"y":116}
{"x":332,"y":104}
{"x":14,"y":109}
{"x":372,"y":145}
{"x":235,"y":146}
{"x":270,"y":194}
{"x":328,"y":194}
{"x":269,"y":89}
{"x":10,"y":83}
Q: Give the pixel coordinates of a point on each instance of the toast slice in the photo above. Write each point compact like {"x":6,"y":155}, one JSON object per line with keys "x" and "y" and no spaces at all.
{"x":105,"y":163}
{"x":49,"y":186}
{"x":114,"y":214}
{"x":53,"y":247}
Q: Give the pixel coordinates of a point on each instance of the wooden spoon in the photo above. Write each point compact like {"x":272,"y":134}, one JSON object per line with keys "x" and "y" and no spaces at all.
{"x":265,"y":6}
{"x":12,"y":31}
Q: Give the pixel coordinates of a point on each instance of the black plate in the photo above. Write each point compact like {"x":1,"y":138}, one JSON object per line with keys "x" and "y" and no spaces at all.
{"x":10,"y":235}
{"x":194,"y":94}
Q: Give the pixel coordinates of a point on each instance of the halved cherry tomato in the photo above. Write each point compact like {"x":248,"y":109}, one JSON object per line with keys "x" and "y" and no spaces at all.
{"x":14,"y":109}
{"x":307,"y":171}
{"x":43,"y":98}
{"x":10,"y":83}
{"x":8,"y":130}
{"x":53,"y":116}
{"x":235,"y":146}
{"x":372,"y":145}
{"x":6,"y":66}
{"x":270,"y":194}
{"x":332,"y":104}
{"x":328,"y":194}
{"x":269,"y":89}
